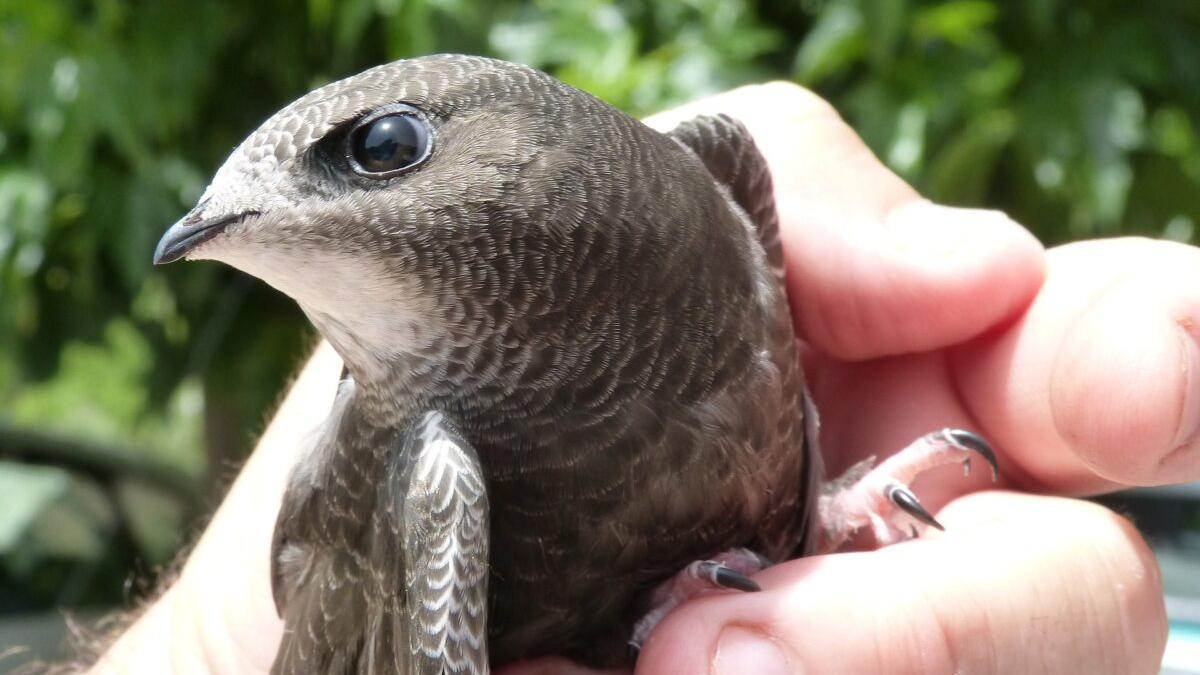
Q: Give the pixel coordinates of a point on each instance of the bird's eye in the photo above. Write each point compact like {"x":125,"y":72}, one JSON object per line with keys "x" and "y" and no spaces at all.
{"x":388,"y":145}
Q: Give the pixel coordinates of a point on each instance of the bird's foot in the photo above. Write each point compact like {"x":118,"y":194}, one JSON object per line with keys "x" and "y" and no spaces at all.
{"x":880,"y":498}
{"x":730,"y":570}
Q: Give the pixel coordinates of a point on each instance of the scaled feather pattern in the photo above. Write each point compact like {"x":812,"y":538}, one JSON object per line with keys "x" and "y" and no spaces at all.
{"x":571,"y":365}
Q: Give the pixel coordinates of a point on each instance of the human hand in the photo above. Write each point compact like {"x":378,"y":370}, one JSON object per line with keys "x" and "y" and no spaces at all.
{"x":915,"y":317}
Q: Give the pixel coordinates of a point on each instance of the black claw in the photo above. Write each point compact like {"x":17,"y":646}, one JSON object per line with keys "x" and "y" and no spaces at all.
{"x":634,"y":651}
{"x":907,"y":501}
{"x":730,"y":578}
{"x":972,"y":441}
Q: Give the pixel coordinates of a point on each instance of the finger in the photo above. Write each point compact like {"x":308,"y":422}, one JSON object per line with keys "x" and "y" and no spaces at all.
{"x":1017,"y":584}
{"x":1098,"y":386}
{"x":872,"y":268}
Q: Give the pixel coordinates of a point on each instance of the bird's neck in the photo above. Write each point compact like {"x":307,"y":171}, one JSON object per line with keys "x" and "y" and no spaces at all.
{"x":391,"y":363}
{"x":391,"y":393}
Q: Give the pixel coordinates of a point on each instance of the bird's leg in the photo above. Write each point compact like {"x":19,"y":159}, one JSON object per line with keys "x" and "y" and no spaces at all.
{"x":879,"y":497}
{"x":730,"y":570}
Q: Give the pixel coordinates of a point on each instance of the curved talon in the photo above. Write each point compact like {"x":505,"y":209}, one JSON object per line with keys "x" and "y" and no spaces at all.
{"x":726,"y":577}
{"x":908,"y":502}
{"x":726,"y":570}
{"x":968,"y":440}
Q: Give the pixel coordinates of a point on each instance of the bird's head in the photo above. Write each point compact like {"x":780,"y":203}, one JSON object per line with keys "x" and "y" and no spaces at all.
{"x":389,"y":203}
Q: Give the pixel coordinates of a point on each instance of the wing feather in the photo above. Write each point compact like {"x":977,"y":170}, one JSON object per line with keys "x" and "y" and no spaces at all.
{"x":727,"y":150}
{"x":446,"y":550}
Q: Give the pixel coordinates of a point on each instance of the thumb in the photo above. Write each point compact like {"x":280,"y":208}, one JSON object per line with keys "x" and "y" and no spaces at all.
{"x":873,"y":269}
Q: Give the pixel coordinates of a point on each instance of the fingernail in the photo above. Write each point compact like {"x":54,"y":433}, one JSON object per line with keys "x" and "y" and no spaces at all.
{"x":1189,"y":419}
{"x":741,"y":651}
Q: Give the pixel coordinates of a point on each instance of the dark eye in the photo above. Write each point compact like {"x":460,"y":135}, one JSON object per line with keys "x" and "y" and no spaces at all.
{"x":387,"y":145}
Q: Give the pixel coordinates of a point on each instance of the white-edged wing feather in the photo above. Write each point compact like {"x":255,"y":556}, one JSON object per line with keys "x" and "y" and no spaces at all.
{"x":446,"y":551}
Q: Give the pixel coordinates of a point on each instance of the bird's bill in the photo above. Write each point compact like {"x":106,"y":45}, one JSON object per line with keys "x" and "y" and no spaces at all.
{"x":190,"y":232}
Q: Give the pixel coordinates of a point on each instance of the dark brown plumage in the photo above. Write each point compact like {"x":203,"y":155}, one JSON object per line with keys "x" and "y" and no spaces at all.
{"x":570,"y":318}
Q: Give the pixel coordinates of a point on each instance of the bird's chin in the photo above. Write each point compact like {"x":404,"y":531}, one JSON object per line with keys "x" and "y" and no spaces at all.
{"x":209,"y":250}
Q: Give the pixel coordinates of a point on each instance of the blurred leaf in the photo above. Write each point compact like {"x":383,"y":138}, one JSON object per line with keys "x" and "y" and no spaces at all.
{"x":837,"y":40}
{"x":48,"y":515}
{"x":958,"y":22}
{"x":886,"y":21}
{"x":25,"y":199}
{"x":77,"y":525}
{"x":965,"y":166}
{"x":1181,"y":228}
{"x":907,"y":150}
{"x":97,"y":391}
{"x":155,"y":517}
{"x":25,"y":491}
{"x":1172,"y":132}
{"x":995,"y":79}
{"x":1041,"y":15}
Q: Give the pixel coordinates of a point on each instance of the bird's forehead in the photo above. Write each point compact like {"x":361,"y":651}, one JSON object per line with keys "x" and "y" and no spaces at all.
{"x":439,"y":84}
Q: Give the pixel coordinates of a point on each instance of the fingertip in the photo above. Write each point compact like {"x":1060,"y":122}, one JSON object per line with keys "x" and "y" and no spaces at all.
{"x":1181,"y":462}
{"x":1097,"y":571}
{"x":975,"y":268}
{"x":1125,"y":388}
{"x":1095,"y":386}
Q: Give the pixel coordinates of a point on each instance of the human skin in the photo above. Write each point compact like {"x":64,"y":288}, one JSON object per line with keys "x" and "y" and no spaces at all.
{"x":1080,"y":364}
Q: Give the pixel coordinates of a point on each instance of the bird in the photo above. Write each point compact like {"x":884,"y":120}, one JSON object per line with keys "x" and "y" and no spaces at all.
{"x":572,"y":397}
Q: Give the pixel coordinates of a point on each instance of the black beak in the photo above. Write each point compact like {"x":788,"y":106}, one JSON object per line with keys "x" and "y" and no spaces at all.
{"x":190,"y":232}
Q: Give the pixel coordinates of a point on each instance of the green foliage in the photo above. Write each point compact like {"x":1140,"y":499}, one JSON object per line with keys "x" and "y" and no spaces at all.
{"x":1078,"y":118}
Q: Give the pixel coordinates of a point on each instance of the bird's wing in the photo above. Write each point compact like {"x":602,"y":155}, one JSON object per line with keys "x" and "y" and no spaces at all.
{"x":323,"y":623}
{"x":727,"y":150}
{"x":414,"y":599}
{"x":287,"y":556}
{"x":444,"y":507}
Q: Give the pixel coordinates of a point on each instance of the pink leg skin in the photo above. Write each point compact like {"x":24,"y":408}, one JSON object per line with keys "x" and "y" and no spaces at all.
{"x":880,"y":498}
{"x":730,"y":570}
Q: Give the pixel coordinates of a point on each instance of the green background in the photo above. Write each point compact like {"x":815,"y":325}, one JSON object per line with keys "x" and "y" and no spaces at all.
{"x":129,"y":394}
